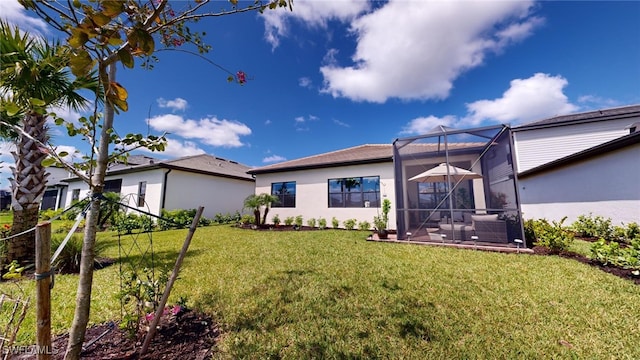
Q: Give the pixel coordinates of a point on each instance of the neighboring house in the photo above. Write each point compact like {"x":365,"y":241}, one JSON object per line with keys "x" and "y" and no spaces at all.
{"x":56,"y":192}
{"x":151,"y":185}
{"x":581,"y":164}
{"x":345,"y":184}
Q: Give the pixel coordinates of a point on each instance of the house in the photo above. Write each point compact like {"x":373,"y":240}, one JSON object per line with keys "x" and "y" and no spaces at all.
{"x":56,"y":191}
{"x":351,"y":184}
{"x":346,"y":184}
{"x":581,"y":164}
{"x":151,"y":185}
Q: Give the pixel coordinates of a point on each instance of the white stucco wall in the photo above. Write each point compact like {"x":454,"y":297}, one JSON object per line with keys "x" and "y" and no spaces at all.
{"x":312,"y":192}
{"x":217,"y":194}
{"x":607,"y":185}
{"x":539,"y":146}
{"x":129,"y":189}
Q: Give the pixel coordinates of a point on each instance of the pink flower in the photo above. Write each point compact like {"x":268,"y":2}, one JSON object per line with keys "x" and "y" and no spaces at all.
{"x":242,"y":77}
{"x":176,"y":310}
{"x":149,"y":317}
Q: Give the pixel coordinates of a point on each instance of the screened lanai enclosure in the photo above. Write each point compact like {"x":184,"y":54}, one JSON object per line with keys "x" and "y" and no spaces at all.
{"x":458,"y":186}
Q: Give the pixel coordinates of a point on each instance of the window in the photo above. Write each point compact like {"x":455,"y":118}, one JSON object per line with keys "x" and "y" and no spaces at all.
{"x":112,"y":186}
{"x":75,"y":195}
{"x":286,"y":193}
{"x":354,"y":192}
{"x":142,"y":192}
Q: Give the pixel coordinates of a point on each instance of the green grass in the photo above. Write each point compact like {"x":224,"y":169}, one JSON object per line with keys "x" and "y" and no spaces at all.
{"x":330,"y":294}
{"x":581,"y":247}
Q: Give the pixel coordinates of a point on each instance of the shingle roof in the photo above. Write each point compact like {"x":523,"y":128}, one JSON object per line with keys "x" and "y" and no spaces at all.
{"x":589,"y":116}
{"x":201,"y":164}
{"x":362,"y":154}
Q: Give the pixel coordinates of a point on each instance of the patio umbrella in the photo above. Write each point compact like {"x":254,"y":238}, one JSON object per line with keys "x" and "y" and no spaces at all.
{"x":439,"y":174}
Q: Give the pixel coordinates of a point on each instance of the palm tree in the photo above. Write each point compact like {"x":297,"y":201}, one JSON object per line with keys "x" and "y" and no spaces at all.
{"x":34,"y":76}
{"x":257,"y":202}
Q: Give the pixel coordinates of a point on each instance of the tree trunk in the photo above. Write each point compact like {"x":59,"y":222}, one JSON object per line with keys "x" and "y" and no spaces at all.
{"x":28,"y":185}
{"x":85,"y":281}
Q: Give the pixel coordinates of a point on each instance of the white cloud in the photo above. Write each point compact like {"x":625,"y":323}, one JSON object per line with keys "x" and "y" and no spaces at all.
{"x":273,"y":159}
{"x":535,"y":98}
{"x":431,"y":44}
{"x":177,"y":149}
{"x":343,"y":124}
{"x":423,"y":125}
{"x":300,"y":119}
{"x":73,"y":154}
{"x":593,"y":101}
{"x":268,"y":122}
{"x":305,"y":82}
{"x":14,"y":13}
{"x":310,"y":13}
{"x":175,"y":104}
{"x":211,"y":131}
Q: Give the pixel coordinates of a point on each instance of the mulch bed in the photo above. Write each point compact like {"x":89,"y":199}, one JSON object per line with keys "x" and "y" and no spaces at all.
{"x":614,"y":270}
{"x":188,"y":335}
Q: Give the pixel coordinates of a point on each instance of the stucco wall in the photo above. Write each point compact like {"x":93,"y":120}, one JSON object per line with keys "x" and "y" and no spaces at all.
{"x":607,"y":185}
{"x":217,"y":194}
{"x":312,"y":192}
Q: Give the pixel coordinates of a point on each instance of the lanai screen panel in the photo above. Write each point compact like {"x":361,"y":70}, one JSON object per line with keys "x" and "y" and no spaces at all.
{"x":477,"y":198}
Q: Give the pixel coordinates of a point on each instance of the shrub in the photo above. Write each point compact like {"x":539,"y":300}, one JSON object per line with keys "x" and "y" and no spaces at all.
{"x":69,"y":259}
{"x":612,"y":253}
{"x":553,"y":236}
{"x":364,"y":225}
{"x":349,"y":224}
{"x":311,"y":222}
{"x":322,"y":223}
{"x":335,"y":223}
{"x":593,"y":226}
{"x":49,"y":214}
{"x":298,"y":221}
{"x":276,"y":220}
{"x":180,"y":219}
{"x":247,"y":219}
{"x":288,"y":220}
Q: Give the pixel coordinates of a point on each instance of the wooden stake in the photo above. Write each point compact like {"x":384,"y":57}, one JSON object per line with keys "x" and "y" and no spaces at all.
{"x":172,"y":279}
{"x":43,"y":291}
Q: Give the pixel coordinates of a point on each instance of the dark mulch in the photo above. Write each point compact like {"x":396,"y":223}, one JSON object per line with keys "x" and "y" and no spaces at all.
{"x":189,"y":335}
{"x":614,"y":270}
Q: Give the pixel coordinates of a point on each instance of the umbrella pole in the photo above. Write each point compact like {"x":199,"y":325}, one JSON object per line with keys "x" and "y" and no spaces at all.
{"x":450,"y":190}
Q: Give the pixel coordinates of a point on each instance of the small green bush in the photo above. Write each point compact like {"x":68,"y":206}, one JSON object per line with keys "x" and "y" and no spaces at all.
{"x":247,"y":219}
{"x":349,"y":224}
{"x":289,"y":220}
{"x":276,"y":220}
{"x":49,"y":214}
{"x":180,"y":219}
{"x":627,"y":257}
{"x":335,"y":223}
{"x":364,"y":225}
{"x":322,"y":223}
{"x":226,"y":218}
{"x":298,"y":221}
{"x":311,"y":222}
{"x":553,"y":236}
{"x":593,"y":227}
{"x":68,"y":261}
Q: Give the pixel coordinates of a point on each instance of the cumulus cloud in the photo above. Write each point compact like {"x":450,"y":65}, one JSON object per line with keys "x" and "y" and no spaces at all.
{"x":14,"y":13}
{"x":537,"y":97}
{"x":177,"y":104}
{"x":423,"y":125}
{"x":310,"y":13}
{"x":431,"y":44}
{"x":211,"y":131}
{"x":176,"y":149}
{"x":273,"y":159}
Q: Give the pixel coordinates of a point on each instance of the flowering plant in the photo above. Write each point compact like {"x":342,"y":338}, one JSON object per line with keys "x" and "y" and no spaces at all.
{"x":5,"y":231}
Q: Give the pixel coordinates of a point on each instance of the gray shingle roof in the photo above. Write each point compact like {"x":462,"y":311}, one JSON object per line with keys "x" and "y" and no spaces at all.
{"x":362,"y":154}
{"x":589,"y":116}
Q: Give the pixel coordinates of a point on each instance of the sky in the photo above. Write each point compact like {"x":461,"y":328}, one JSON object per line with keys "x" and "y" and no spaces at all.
{"x":333,"y":74}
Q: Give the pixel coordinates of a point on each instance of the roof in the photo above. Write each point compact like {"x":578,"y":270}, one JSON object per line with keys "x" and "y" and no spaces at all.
{"x":200,"y":164}
{"x":357,"y":155}
{"x":601,"y":149}
{"x":362,"y":154}
{"x":583,"y":117}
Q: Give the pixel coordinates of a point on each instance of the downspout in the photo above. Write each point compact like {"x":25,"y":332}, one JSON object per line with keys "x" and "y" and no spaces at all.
{"x":164,"y":191}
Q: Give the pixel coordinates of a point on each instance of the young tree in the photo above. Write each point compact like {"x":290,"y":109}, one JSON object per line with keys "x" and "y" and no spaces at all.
{"x":101,"y":34}
{"x":34,"y":76}
{"x":258,"y":202}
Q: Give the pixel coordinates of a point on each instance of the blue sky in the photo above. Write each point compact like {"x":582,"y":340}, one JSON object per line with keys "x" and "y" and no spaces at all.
{"x":336,"y":74}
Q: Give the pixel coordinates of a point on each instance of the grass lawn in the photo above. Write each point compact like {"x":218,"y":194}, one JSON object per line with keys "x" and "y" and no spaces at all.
{"x":331,"y":294}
